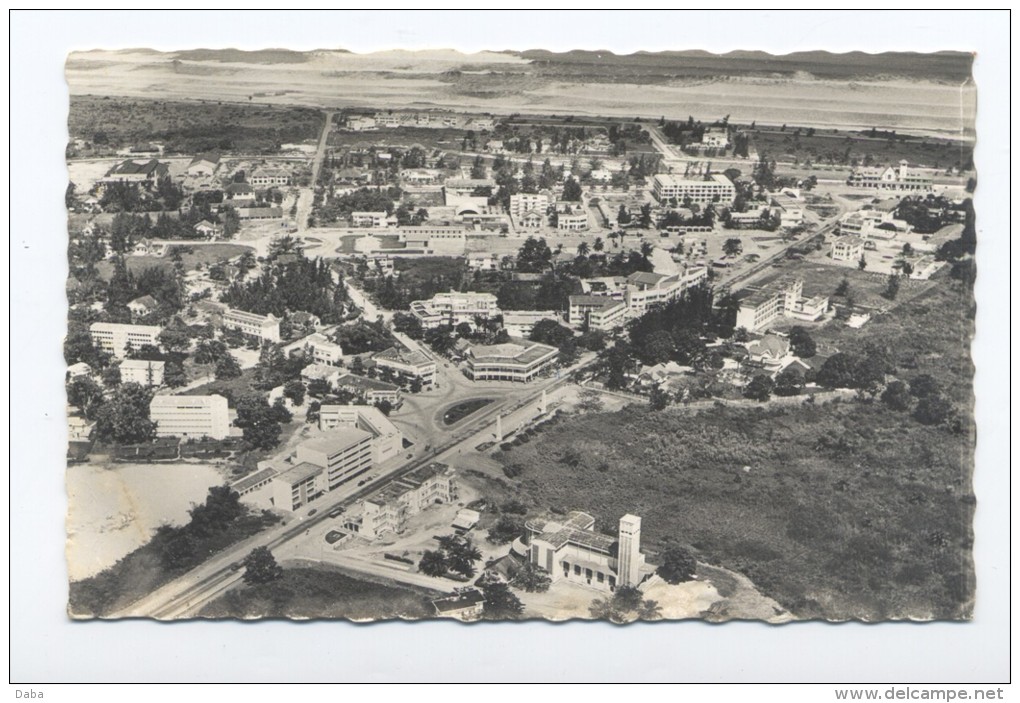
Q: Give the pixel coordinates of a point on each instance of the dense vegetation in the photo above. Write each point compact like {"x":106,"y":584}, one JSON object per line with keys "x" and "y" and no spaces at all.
{"x":299,"y":285}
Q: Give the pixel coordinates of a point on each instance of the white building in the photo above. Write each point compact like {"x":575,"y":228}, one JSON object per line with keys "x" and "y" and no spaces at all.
{"x":203,"y":165}
{"x":388,"y":510}
{"x":643,"y":289}
{"x":262,"y":177}
{"x":717,"y":189}
{"x":597,"y":312}
{"x":387,"y":440}
{"x":190,"y":416}
{"x":116,"y":339}
{"x":368,"y":219}
{"x":263,"y":327}
{"x":144,"y":373}
{"x":454,"y":308}
{"x":408,"y":365}
{"x":322,"y":350}
{"x":847,"y":249}
{"x":528,"y":210}
{"x":900,"y":180}
{"x":343,"y":453}
{"x":296,"y":486}
{"x":520,"y":362}
{"x":781,"y":298}
{"x":520,"y":323}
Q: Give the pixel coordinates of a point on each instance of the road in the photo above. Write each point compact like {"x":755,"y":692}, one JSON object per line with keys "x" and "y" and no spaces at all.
{"x":307,"y":195}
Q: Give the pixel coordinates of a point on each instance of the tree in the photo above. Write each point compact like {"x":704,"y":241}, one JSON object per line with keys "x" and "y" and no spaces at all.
{"x":294,"y":390}
{"x":590,"y":400}
{"x":649,"y":610}
{"x":837,"y":372}
{"x":506,"y":530}
{"x":843,"y":288}
{"x":862,"y":263}
{"x":86,"y":395}
{"x":801,"y":342}
{"x":531,"y":578}
{"x":500,"y":601}
{"x":111,"y":376}
{"x":583,"y":249}
{"x":174,"y":375}
{"x":209,"y":351}
{"x":892,"y":287}
{"x":924,"y":386}
{"x":572,"y":190}
{"x":933,"y":410}
{"x":461,"y":554}
{"x":464,"y":329}
{"x":789,"y":382}
{"x":175,"y":337}
{"x":124,"y":418}
{"x":259,"y":423}
{"x":534,"y":256}
{"x":897,"y":396}
{"x":658,"y":400}
{"x":260,"y":567}
{"x":760,"y":388}
{"x":227,"y":367}
{"x":385,"y":406}
{"x":732,"y":247}
{"x":433,"y":563}
{"x":678,"y":565}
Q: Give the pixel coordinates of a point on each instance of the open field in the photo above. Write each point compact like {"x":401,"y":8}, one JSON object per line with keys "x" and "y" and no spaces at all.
{"x":324,"y":592}
{"x":427,"y":137}
{"x":832,"y":144}
{"x":204,"y":254}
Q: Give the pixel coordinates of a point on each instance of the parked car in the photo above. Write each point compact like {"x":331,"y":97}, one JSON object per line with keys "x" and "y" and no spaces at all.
{"x":336,"y":512}
{"x":312,"y":511}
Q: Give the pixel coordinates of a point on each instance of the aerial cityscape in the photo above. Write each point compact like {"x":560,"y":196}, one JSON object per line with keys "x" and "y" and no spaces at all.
{"x":520,"y":335}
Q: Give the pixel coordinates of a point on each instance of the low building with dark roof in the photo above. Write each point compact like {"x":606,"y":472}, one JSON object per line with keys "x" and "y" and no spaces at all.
{"x":373,"y":390}
{"x":137,"y":171}
{"x":466,"y":604}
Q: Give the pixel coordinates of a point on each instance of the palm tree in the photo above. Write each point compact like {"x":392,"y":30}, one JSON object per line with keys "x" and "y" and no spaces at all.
{"x":599,"y":244}
{"x":649,"y":610}
{"x":646,"y":249}
{"x":583,"y":249}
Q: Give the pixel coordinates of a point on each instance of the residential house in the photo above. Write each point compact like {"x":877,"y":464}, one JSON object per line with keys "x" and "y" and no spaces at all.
{"x":208,"y":229}
{"x":321,"y":372}
{"x":140,"y":307}
{"x":145,"y":171}
{"x":466,"y":604}
{"x":264,"y":177}
{"x":371,"y":389}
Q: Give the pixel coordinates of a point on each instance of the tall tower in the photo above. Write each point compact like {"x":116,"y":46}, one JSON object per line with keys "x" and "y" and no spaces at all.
{"x":629,"y":557}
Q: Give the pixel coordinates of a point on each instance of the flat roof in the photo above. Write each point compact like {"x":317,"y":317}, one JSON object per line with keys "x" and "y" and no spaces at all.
{"x":253,"y":479}
{"x":299,"y":472}
{"x":364,"y":383}
{"x":194,"y":401}
{"x":336,"y":440}
{"x":114,"y":326}
{"x":141,"y":364}
{"x":464,"y":599}
{"x":524,"y":353}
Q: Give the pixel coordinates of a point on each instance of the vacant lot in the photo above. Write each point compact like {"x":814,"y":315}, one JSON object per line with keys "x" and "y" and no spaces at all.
{"x":323,"y":592}
{"x":829,"y":146}
{"x":190,"y":127}
{"x":429,"y":138}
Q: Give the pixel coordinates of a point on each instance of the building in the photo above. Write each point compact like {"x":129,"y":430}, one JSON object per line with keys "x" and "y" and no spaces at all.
{"x":239,"y":194}
{"x":203,"y":165}
{"x":466,"y":604}
{"x":259,"y":213}
{"x":440,"y":240}
{"x":454,"y":308}
{"x":520,"y":323}
{"x":263,"y":327}
{"x":573,"y":551}
{"x":143,"y":305}
{"x":388,"y":509}
{"x":262,"y":177}
{"x":466,"y":187}
{"x":117,"y":339}
{"x":520,"y":362}
{"x":368,"y":219}
{"x":144,"y":373}
{"x":253,"y":482}
{"x":343,"y":453}
{"x":208,"y":229}
{"x":408,"y":364}
{"x":79,"y":370}
{"x":847,"y":249}
{"x":900,"y":180}
{"x":644,"y":289}
{"x":190,"y":416}
{"x":873,"y":224}
{"x":574,"y":221}
{"x":79,"y":429}
{"x":372,"y":390}
{"x":596,"y":312}
{"x":770,"y":351}
{"x":713,"y":138}
{"x":296,"y":486}
{"x":925,"y":267}
{"x":321,"y":372}
{"x":147,"y":171}
{"x":323,"y":351}
{"x":361,"y":123}
{"x":388,"y":441}
{"x":716,"y":189}
{"x":781,"y":298}
{"x":527,"y":210}
{"x":479,"y":261}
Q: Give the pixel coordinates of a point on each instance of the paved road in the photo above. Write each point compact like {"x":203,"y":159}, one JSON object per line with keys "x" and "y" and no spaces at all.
{"x":307,"y":195}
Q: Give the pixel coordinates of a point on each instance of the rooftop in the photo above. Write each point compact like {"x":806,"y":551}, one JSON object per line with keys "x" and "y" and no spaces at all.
{"x":187,"y":401}
{"x":525,"y":352}
{"x":298,"y":473}
{"x":253,"y":479}
{"x":141,"y":364}
{"x":465,"y":599}
{"x":319,"y":372}
{"x":136,"y":166}
{"x":363,"y":383}
{"x":336,"y":440}
{"x":403,"y":356}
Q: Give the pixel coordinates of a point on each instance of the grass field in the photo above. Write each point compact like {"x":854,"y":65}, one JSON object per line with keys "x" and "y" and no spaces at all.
{"x":323,"y":592}
{"x":204,"y":254}
{"x":930,"y":152}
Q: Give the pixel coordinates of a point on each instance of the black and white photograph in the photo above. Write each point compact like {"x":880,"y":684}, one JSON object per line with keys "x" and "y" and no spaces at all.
{"x":486,"y":335}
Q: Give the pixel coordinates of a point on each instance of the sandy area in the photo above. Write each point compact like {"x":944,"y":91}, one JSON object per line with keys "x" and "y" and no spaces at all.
{"x":113,"y":510}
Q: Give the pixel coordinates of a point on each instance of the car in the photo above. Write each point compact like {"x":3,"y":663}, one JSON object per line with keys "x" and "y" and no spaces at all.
{"x":336,"y":512}
{"x":362,"y":482}
{"x":312,"y":511}
{"x":236,"y":566}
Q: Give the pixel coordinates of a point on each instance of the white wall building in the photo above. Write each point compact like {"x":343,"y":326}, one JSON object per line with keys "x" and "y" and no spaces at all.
{"x":116,"y":338}
{"x":144,"y":373}
{"x":190,"y":416}
{"x":263,"y":327}
{"x":717,"y":189}
{"x":387,"y":440}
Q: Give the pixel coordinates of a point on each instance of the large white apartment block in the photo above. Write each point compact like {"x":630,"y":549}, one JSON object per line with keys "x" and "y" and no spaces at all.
{"x":528,"y":209}
{"x":294,"y":487}
{"x":716,"y":189}
{"x":597,"y":312}
{"x":901,"y":180}
{"x":408,"y":364}
{"x":781,"y":298}
{"x":343,"y":453}
{"x":263,"y":327}
{"x":571,"y":550}
{"x":144,"y":373}
{"x":388,"y":441}
{"x":117,"y":339}
{"x":520,"y":362}
{"x":454,"y":308}
{"x":647,"y":289}
{"x":388,"y":510}
{"x":190,"y":416}
{"x":368,"y":219}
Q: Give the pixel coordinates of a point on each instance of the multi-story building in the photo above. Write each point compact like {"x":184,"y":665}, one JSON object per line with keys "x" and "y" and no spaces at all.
{"x":873,"y":224}
{"x":466,"y":187}
{"x":389,"y":508}
{"x":527,"y":210}
{"x":262,"y":177}
{"x":520,"y":362}
{"x":574,"y":221}
{"x":597,"y":312}
{"x":142,"y":372}
{"x":520,"y":323}
{"x":573,"y":551}
{"x":343,"y":453}
{"x":263,"y":327}
{"x":408,"y":364}
{"x":901,"y":180}
{"x":387,"y":440}
{"x":322,"y":350}
{"x":782,"y":298}
{"x":118,"y":339}
{"x":440,"y":240}
{"x":296,"y":486}
{"x":368,"y":219}
{"x":371,"y":389}
{"x":454,"y":308}
{"x":190,"y":416}
{"x":645,"y":289}
{"x":847,"y":249}
{"x":716,"y":189}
